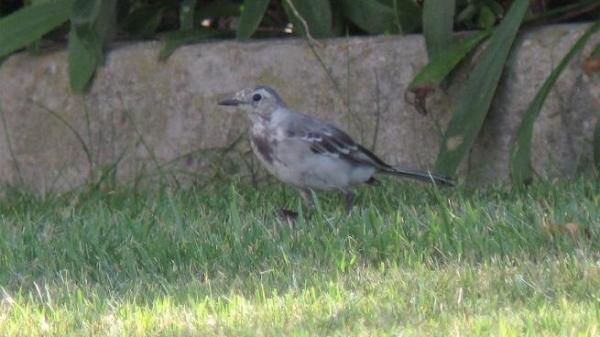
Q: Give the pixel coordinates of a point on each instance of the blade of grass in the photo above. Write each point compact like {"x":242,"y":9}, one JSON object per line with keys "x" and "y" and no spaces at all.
{"x":30,"y":23}
{"x":438,"y":21}
{"x":596,"y":144}
{"x":476,"y":97}
{"x":252,"y":14}
{"x":520,"y":163}
{"x":11,"y":151}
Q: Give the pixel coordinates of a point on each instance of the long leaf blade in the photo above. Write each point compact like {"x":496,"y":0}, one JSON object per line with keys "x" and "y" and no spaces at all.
{"x":407,"y":14}
{"x":82,"y":62}
{"x":176,"y":39}
{"x":362,"y":12}
{"x":443,"y":63}
{"x":251,"y":17}
{"x":316,"y":14}
{"x":476,"y":97}
{"x":30,"y":23}
{"x":186,"y":14}
{"x":90,"y":28}
{"x":438,"y":22}
{"x":520,"y":164}
{"x":596,"y":144}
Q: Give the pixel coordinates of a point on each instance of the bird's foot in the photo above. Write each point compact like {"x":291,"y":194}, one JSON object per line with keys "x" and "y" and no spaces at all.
{"x":287,"y":216}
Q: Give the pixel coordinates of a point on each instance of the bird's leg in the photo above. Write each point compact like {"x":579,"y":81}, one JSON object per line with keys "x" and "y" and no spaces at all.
{"x":291,"y":216}
{"x":308,"y":198}
{"x":349,"y":196}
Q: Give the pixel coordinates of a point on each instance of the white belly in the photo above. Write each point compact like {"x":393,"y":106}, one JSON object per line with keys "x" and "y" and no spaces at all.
{"x":298,"y":166}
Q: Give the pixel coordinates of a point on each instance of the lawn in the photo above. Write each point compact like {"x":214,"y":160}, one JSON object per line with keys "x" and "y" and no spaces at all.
{"x":411,"y":260}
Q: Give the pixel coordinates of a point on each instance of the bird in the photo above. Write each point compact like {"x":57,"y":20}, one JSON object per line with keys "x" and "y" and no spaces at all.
{"x":309,"y":153}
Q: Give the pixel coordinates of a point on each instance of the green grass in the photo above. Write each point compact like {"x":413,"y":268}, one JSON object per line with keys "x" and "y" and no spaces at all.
{"x":411,"y":260}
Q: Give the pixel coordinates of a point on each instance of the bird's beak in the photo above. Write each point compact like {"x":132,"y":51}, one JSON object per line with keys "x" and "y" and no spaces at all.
{"x":230,"y":102}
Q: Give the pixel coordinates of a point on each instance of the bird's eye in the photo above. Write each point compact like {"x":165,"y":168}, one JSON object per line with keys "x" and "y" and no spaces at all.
{"x":256,"y":97}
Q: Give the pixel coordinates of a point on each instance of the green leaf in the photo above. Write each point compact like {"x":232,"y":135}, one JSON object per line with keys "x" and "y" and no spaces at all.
{"x":144,"y":21}
{"x":466,"y":14}
{"x":476,"y":97}
{"x":596,"y":51}
{"x":495,"y":7}
{"x":408,"y":15}
{"x":30,"y":23}
{"x":85,"y":11}
{"x":176,"y":39}
{"x":316,"y":13}
{"x":186,"y":14}
{"x":487,"y":18}
{"x":438,"y":23}
{"x":106,"y":21}
{"x":216,"y":9}
{"x":551,"y":13}
{"x":252,"y":14}
{"x":521,"y":169}
{"x":596,"y":144}
{"x":90,"y":28}
{"x":443,"y":63}
{"x":83,"y":60}
{"x":362,"y":12}
{"x":339,"y":24}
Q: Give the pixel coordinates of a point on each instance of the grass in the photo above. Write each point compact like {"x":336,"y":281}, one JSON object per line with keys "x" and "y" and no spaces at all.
{"x":411,"y":260}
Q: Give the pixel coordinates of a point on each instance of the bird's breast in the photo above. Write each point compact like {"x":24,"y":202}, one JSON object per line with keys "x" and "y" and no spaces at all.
{"x":262,"y":144}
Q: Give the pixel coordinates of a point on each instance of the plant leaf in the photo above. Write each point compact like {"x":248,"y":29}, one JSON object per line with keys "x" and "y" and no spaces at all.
{"x":252,"y":14}
{"x":105,"y":23}
{"x":217,"y":8}
{"x":186,"y":14}
{"x":596,"y":51}
{"x":90,"y":28}
{"x":596,"y":144}
{"x":143,"y":21}
{"x":476,"y":97}
{"x":316,"y":13}
{"x":84,"y":11}
{"x":362,"y":12}
{"x":408,"y":15}
{"x":175,"y":39}
{"x":28,"y":24}
{"x":487,"y":18}
{"x":82,"y":61}
{"x":442,"y":64}
{"x":520,"y":163}
{"x":438,"y":22}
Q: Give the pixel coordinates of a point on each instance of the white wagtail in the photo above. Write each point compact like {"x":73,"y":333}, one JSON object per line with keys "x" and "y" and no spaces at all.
{"x":308,"y":153}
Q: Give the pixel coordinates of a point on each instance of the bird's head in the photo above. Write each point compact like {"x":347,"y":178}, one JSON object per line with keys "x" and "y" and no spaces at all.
{"x":260,"y":101}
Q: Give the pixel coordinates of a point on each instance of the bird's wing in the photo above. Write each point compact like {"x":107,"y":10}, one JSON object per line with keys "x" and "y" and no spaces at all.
{"x":326,"y":139}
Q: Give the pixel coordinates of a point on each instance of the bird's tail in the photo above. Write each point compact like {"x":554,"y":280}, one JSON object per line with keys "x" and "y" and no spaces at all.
{"x":423,"y":176}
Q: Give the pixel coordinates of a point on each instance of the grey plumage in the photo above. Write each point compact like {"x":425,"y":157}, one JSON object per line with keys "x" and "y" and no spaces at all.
{"x":308,"y":153}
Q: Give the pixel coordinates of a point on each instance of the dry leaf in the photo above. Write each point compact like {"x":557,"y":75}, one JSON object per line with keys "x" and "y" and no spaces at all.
{"x":591,"y":65}
{"x":571,"y":229}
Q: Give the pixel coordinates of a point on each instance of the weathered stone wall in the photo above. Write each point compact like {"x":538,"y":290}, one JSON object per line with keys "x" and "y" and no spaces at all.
{"x":145,"y":118}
